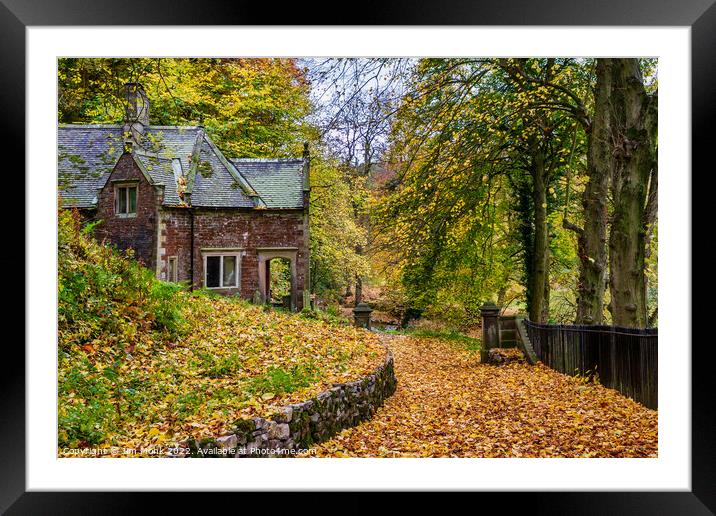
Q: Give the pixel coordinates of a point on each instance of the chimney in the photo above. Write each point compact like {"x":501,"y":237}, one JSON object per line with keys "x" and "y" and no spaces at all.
{"x":136,"y":111}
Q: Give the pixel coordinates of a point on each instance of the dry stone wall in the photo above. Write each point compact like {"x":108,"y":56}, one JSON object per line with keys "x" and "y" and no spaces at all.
{"x":296,"y":427}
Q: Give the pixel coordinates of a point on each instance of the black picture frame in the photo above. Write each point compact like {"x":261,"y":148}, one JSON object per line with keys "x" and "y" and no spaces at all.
{"x":16,"y":15}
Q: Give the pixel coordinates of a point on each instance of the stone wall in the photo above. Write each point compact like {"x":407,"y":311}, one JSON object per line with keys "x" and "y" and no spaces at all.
{"x":298,"y":426}
{"x":175,"y":241}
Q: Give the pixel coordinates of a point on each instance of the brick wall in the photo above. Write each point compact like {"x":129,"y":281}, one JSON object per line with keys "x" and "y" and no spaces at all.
{"x":175,"y":235}
{"x":138,"y":232}
{"x":213,"y":228}
{"x":230,"y":229}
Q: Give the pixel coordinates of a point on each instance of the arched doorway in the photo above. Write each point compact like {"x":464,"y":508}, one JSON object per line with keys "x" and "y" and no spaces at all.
{"x":284,"y":276}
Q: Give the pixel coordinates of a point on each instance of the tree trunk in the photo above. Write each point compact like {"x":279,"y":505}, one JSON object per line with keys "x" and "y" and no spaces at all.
{"x":633,"y":133}
{"x":523,"y":191}
{"x":592,"y":239}
{"x":361,"y":217}
{"x":359,"y":290}
{"x":547,"y":289}
{"x":650,"y":218}
{"x":541,"y":240}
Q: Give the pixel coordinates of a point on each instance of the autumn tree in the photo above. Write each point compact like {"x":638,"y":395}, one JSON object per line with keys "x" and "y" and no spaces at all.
{"x":357,"y":98}
{"x":250,"y":107}
{"x":543,"y":142}
{"x":618,"y":107}
{"x":478,"y":134}
{"x":335,"y":232}
{"x":550,"y":126}
{"x":571,"y":94}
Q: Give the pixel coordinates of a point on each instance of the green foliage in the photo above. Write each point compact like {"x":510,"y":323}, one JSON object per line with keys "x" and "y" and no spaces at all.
{"x":280,"y":279}
{"x":279,"y":380}
{"x":107,"y":303}
{"x":564,"y":265}
{"x":336,"y":233}
{"x":164,"y":305}
{"x":107,"y":296}
{"x":445,"y":216}
{"x":330,"y":315}
{"x":206,"y":293}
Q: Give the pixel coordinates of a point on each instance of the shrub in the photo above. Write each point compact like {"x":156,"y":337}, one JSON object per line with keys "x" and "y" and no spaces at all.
{"x":104,"y":295}
{"x":166,"y":307}
{"x":107,"y":304}
{"x":329,"y":316}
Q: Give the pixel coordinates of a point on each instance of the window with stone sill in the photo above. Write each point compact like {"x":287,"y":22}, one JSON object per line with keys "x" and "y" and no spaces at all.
{"x":221,"y":270}
{"x":125,"y":200}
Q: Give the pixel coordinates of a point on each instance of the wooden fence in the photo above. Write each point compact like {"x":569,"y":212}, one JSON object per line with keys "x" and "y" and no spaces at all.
{"x":624,"y":359}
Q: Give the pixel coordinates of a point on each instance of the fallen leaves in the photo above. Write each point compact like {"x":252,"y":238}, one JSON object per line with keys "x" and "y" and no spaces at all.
{"x":241,"y":361}
{"x":238,"y":361}
{"x":448,"y":404}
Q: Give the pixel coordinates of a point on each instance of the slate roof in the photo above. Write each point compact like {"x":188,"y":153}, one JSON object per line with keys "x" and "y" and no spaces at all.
{"x":216,"y":182}
{"x":279,"y":182}
{"x":87,"y":154}
{"x":162,"y":172}
{"x":85,"y":158}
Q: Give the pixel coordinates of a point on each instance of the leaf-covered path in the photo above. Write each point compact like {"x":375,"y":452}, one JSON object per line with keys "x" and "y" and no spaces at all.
{"x":448,"y":404}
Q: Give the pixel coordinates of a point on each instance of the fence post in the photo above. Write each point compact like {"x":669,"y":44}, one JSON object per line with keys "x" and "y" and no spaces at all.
{"x":490,"y":329}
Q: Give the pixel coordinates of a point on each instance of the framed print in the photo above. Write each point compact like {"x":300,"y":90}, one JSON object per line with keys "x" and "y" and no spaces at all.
{"x":390,"y":219}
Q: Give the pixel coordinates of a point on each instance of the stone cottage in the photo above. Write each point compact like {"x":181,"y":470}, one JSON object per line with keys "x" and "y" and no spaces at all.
{"x":189,"y":212}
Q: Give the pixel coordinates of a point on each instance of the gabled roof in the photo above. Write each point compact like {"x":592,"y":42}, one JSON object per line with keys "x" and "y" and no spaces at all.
{"x":182,"y":159}
{"x":279,"y":182}
{"x":162,"y":172}
{"x":217,"y":184}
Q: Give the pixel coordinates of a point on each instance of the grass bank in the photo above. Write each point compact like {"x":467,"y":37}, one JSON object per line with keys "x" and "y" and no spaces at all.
{"x":143,"y":362}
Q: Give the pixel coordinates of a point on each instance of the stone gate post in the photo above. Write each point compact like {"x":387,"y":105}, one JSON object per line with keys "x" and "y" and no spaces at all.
{"x":490,"y":313}
{"x":361,"y":315}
